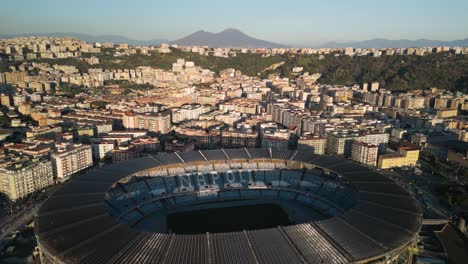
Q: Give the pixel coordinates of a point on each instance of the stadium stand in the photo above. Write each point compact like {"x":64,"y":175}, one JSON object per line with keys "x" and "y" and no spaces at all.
{"x":365,"y":218}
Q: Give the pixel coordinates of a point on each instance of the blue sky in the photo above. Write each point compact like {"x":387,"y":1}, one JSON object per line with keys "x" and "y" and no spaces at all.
{"x":288,"y":22}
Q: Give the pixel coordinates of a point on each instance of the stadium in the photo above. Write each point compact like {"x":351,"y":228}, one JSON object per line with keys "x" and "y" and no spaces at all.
{"x":229,"y":206}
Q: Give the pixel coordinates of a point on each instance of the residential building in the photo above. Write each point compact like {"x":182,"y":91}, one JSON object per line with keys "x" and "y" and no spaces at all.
{"x":21,"y":179}
{"x":313,"y":143}
{"x":102,"y":149}
{"x":70,"y":159}
{"x":406,"y":156}
{"x":340,"y":143}
{"x":232,"y":137}
{"x":155,"y":122}
{"x":364,"y":153}
{"x":377,"y":139}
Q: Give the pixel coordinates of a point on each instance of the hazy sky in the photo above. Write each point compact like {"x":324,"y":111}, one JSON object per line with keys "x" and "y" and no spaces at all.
{"x":287,"y":22}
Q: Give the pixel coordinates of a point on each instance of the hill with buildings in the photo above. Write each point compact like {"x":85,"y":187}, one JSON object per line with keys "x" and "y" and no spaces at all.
{"x":379,"y":43}
{"x":117,"y":39}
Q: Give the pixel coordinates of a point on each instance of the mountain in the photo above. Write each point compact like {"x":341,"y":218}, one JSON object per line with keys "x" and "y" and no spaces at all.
{"x":231,"y":38}
{"x":90,"y":38}
{"x":402,"y":43}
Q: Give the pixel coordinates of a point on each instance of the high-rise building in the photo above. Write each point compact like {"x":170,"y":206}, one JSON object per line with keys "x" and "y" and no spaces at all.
{"x":15,"y":76}
{"x":377,"y":139}
{"x":340,"y":144}
{"x":20,"y":179}
{"x":312,"y":143}
{"x":364,"y":153}
{"x":374,"y":86}
{"x":71,"y":159}
{"x":156,"y":122}
{"x":365,"y":87}
{"x":102,"y":149}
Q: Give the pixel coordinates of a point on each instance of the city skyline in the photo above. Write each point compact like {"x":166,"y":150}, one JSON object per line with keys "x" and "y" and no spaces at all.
{"x":339,"y":21}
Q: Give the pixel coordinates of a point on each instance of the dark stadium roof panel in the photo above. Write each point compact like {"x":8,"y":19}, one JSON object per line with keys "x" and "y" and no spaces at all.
{"x":313,"y":245}
{"x":192,"y":156}
{"x":215,"y":154}
{"x":75,"y":226}
{"x":259,"y":153}
{"x":236,"y":154}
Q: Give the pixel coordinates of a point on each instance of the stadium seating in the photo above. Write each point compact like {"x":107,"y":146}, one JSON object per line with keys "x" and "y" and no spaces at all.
{"x":176,"y":170}
{"x":190,"y":168}
{"x":171,"y":184}
{"x":312,"y":187}
{"x":272,"y":177}
{"x":205,"y":167}
{"x":290,"y":178}
{"x":185,"y":183}
{"x":156,"y":185}
{"x":249,"y":165}
{"x":221,"y":166}
{"x":138,"y":191}
{"x":132,"y":217}
{"x":119,"y":199}
{"x":148,"y":208}
{"x":158,"y":172}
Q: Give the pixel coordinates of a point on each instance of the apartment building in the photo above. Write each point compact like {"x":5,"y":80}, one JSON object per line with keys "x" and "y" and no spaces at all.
{"x":232,"y":137}
{"x":377,"y":139}
{"x":155,"y":122}
{"x":23,"y":178}
{"x":340,"y":143}
{"x":188,"y":112}
{"x":406,"y":156}
{"x":278,"y":139}
{"x":313,"y":143}
{"x":103,"y":149}
{"x":364,"y":153}
{"x":70,"y":159}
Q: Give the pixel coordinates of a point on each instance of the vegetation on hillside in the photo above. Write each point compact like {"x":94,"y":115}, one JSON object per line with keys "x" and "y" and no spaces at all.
{"x":250,"y":64}
{"x":401,"y":73}
{"x":72,"y":89}
{"x":442,"y":70}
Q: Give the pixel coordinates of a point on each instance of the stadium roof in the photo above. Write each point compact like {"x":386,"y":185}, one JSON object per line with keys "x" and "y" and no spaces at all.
{"x":74,"y":226}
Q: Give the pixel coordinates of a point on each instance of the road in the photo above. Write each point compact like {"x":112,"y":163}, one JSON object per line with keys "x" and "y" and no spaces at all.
{"x":18,"y":221}
{"x":420,"y":187}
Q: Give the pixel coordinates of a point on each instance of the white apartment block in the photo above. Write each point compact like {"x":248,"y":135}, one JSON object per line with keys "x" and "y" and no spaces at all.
{"x":71,"y":160}
{"x":102,"y":150}
{"x":156,"y":122}
{"x":364,"y":153}
{"x":188,"y":112}
{"x":377,"y":139}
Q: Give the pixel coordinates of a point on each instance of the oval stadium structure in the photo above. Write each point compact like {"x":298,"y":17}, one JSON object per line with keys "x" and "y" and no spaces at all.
{"x":337,"y":211}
